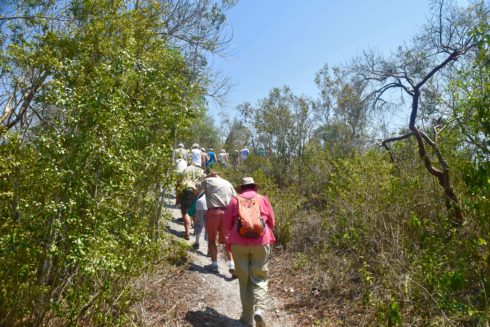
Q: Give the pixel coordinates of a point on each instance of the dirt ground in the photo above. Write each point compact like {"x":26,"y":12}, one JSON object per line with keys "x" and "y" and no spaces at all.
{"x":189,"y":295}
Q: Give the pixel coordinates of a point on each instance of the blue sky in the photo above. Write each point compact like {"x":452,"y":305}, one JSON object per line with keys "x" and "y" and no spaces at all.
{"x":285,"y":42}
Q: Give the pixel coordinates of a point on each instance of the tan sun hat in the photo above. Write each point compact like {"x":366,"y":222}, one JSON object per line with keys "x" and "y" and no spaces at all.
{"x":248,"y":181}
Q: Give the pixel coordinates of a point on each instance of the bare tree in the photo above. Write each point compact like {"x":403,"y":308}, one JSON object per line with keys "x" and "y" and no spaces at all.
{"x":443,"y":41}
{"x":197,"y":28}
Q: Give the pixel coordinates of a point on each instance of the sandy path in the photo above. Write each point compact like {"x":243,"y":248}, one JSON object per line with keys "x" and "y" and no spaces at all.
{"x":217,"y":300}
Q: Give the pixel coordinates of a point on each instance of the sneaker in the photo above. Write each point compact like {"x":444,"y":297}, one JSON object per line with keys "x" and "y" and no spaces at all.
{"x":259,"y":318}
{"x":195,"y":246}
{"x":212,"y":268}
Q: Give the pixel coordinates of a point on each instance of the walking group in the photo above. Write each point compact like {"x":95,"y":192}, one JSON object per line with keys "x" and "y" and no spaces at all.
{"x":241,"y":220}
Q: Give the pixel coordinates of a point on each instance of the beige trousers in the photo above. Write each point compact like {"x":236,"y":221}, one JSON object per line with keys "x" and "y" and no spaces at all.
{"x":253,"y":273}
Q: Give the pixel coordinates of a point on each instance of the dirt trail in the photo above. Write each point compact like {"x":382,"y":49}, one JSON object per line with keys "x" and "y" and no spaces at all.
{"x":213,"y":299}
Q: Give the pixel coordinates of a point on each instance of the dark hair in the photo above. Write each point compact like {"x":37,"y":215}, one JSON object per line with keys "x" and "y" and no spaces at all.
{"x":248,"y":187}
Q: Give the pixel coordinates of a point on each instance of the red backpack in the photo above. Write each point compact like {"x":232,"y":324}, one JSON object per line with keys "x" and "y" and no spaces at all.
{"x":250,"y":223}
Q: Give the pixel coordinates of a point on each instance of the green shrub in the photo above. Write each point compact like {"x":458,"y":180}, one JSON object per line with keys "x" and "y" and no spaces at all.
{"x":80,"y":207}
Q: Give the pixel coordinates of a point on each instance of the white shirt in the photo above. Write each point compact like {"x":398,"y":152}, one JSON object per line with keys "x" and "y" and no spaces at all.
{"x":181,"y":164}
{"x":196,"y":156}
{"x":201,"y":204}
{"x":180,"y":153}
{"x":244,"y":154}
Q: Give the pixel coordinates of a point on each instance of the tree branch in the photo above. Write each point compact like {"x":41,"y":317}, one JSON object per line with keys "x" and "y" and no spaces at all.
{"x":26,"y":101}
{"x":33,"y":17}
{"x":397,"y":138}
{"x":394,"y":139}
{"x":453,"y":56}
{"x":7,"y":110}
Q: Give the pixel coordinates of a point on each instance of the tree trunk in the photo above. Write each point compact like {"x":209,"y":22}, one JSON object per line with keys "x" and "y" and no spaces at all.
{"x":452,"y":202}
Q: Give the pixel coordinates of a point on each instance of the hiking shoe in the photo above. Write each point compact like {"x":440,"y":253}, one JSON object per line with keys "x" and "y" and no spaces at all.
{"x":212,"y":268}
{"x":195,"y":246}
{"x":259,"y":318}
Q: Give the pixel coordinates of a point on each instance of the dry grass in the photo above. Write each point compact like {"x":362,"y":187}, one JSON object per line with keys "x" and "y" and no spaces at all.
{"x":164,"y":296}
{"x":313,"y":295}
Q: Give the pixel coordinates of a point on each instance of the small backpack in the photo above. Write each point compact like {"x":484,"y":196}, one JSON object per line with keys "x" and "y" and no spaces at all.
{"x":250,"y":223}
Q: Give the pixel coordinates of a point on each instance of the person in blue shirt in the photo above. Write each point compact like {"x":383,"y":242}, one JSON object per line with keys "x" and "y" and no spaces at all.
{"x":211,"y":161}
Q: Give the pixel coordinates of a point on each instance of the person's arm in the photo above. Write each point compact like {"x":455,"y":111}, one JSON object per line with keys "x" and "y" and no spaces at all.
{"x":271,"y":220}
{"x":229,"y":213}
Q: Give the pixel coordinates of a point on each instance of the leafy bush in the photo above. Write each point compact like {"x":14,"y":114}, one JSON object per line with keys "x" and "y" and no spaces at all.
{"x":385,"y":244}
{"x":80,"y":201}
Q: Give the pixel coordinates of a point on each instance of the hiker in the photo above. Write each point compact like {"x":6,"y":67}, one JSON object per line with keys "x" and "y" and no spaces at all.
{"x":185,"y":193}
{"x":223,"y":158}
{"x":180,"y":166}
{"x":198,"y":212}
{"x":243,"y":154}
{"x":261,"y":151}
{"x":196,"y":154}
{"x":234,"y":157}
{"x":218,"y":193}
{"x":204,"y":157}
{"x":180,"y":152}
{"x":211,"y":160}
{"x":251,"y":252}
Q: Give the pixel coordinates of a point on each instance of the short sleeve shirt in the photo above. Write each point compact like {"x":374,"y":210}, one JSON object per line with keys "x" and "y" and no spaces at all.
{"x":219,"y":192}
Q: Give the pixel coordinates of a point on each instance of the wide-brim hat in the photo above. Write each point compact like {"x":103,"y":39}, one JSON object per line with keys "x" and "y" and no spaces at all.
{"x":248,"y":181}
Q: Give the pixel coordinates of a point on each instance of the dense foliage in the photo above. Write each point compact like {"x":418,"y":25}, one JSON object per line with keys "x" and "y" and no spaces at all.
{"x":93,"y":91}
{"x":95,"y":94}
{"x":368,"y":225}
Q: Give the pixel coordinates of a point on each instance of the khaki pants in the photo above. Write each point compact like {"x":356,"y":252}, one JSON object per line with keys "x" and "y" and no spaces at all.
{"x":253,"y":273}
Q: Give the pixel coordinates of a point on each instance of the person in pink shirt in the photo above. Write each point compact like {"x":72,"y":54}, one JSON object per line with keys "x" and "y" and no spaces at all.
{"x":251,"y":255}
